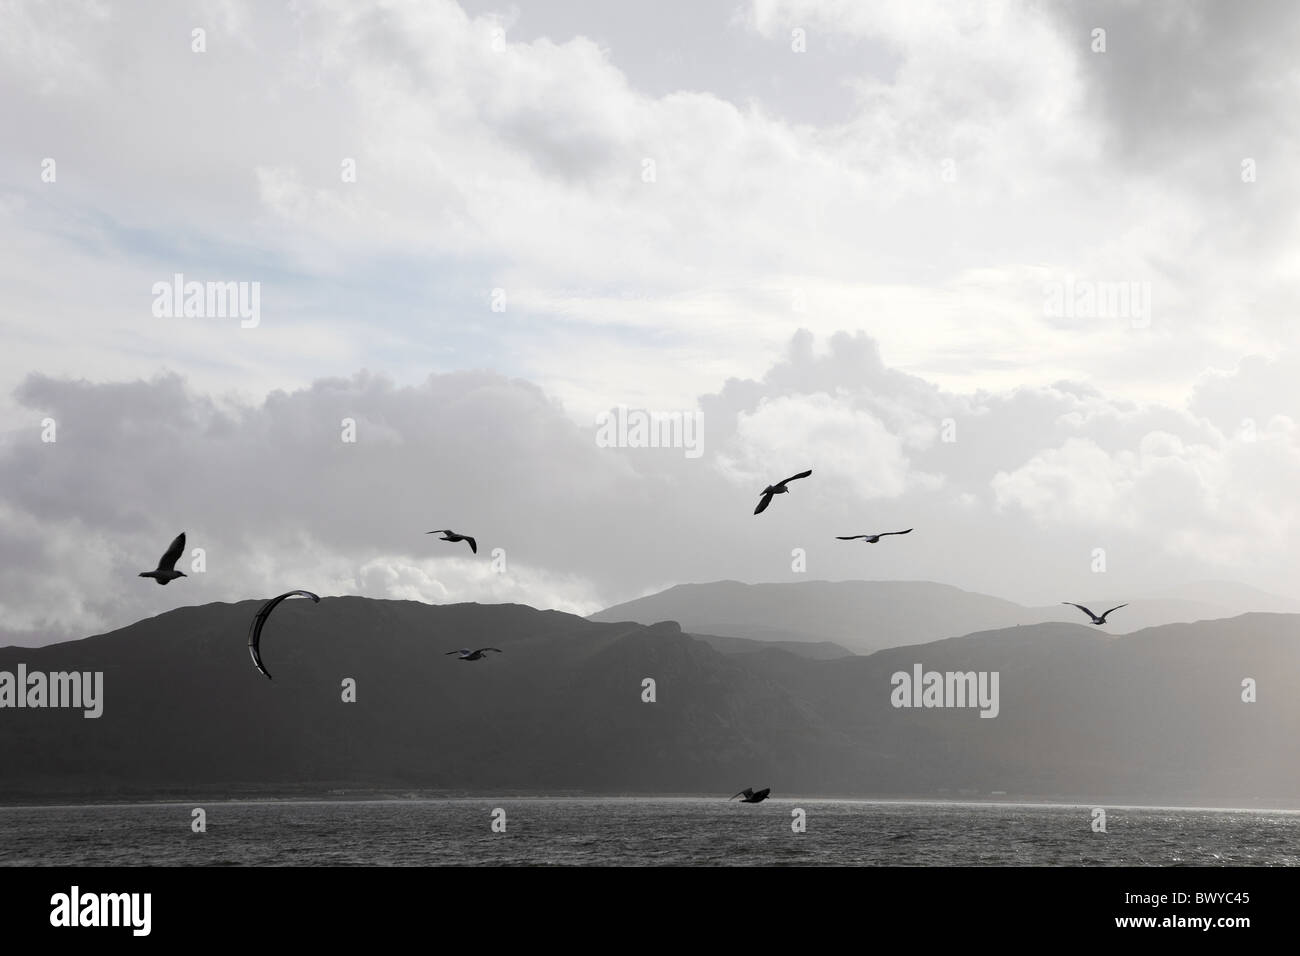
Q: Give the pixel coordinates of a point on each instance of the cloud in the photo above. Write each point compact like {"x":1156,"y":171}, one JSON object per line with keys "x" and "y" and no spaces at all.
{"x":277,"y":497}
{"x":956,"y":161}
{"x":849,"y":446}
{"x":1222,"y":501}
{"x":516,"y":162}
{"x":275,"y":493}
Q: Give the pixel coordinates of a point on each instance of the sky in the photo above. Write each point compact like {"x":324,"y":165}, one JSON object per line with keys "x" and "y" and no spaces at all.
{"x":1019,"y":275}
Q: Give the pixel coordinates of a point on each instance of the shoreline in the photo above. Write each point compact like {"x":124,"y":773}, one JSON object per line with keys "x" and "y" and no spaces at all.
{"x":361,"y":797}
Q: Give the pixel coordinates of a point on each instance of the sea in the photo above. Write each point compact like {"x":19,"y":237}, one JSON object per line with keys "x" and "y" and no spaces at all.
{"x":640,"y":831}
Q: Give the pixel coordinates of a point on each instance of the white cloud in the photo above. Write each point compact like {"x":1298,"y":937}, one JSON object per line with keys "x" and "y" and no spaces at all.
{"x":519,"y":166}
{"x":851,"y":448}
{"x":1224,"y":502}
{"x":277,"y":499}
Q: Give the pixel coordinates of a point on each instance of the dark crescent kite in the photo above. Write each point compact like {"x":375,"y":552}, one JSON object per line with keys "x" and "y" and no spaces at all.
{"x":255,"y":629}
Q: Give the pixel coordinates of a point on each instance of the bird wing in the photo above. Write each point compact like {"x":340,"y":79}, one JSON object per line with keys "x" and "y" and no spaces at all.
{"x":747,"y":792}
{"x":883,"y":533}
{"x":802,"y":474}
{"x":449,"y":653}
{"x":851,"y":537}
{"x":762,"y":505}
{"x":473,"y":545}
{"x":1080,"y":607}
{"x":439,"y":531}
{"x":173,"y":553}
{"x":1116,"y":608}
{"x":482,"y":649}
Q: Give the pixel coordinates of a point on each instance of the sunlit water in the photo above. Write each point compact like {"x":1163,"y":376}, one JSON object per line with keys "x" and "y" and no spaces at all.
{"x":640,"y":831}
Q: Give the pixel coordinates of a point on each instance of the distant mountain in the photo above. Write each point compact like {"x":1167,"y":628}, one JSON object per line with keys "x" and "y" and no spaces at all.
{"x":863,"y":616}
{"x":1155,"y":716}
{"x":1232,"y":597}
{"x":560,"y":708}
{"x":1141,"y":613}
{"x":813,"y":650}
{"x":1199,"y":601}
{"x":866,"y":616}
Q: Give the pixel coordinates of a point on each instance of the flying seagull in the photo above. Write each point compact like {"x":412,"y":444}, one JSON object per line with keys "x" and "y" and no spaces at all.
{"x":1095,"y":618}
{"x":750,"y":796}
{"x":467,"y":655}
{"x":166,"y":570}
{"x":870,"y":538}
{"x":778,"y":489}
{"x":449,"y":535}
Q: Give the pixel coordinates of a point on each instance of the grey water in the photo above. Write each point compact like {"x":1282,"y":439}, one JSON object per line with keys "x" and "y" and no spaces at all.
{"x":640,"y":831}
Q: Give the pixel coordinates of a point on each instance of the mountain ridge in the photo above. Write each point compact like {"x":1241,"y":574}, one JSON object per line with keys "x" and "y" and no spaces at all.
{"x":1151,"y":716}
{"x":865,"y":616}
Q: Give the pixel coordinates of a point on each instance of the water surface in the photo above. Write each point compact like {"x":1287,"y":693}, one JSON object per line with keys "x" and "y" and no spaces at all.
{"x":640,"y":831}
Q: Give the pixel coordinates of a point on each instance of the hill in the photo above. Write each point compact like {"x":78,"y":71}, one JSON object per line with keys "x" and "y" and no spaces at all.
{"x":1155,"y":716}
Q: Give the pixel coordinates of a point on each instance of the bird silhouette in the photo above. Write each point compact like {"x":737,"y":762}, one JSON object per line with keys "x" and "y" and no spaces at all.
{"x":870,"y":538}
{"x":467,"y":655}
{"x":1095,"y":618}
{"x":449,"y":535}
{"x":166,"y":570}
{"x":778,"y":489}
{"x":750,"y":796}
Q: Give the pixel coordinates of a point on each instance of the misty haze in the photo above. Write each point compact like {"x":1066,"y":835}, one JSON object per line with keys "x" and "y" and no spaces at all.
{"x":696,"y":433}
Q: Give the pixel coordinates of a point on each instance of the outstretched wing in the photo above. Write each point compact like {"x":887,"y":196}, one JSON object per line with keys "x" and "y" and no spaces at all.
{"x":473,"y":545}
{"x":1116,"y":608}
{"x":1080,"y":607}
{"x":883,"y":533}
{"x":747,"y":792}
{"x":802,"y":474}
{"x":439,"y":531}
{"x":173,"y":553}
{"x":762,"y":505}
{"x":482,"y":649}
{"x":851,"y":537}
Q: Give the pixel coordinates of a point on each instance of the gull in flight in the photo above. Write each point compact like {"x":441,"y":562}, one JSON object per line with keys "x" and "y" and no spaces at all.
{"x":166,"y":570}
{"x":870,"y":538}
{"x":778,"y":489}
{"x":1095,"y":618}
{"x":467,"y":655}
{"x":750,"y":796}
{"x":449,"y":535}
